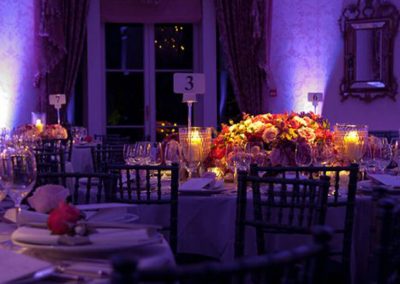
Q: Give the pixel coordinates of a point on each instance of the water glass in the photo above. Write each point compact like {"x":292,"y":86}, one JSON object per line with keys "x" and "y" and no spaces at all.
{"x":17,"y":172}
{"x":303,"y":155}
{"x":172,"y":153}
{"x":155,"y":154}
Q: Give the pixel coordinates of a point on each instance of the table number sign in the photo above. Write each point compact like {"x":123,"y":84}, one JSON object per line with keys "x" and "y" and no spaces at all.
{"x":57,"y":100}
{"x":315,"y":98}
{"x":189,"y":84}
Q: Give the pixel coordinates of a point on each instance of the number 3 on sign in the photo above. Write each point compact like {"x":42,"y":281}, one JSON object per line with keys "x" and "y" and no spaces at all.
{"x":189,"y":83}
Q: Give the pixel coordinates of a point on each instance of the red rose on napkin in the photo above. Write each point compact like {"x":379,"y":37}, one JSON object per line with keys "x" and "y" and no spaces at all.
{"x":63,"y":219}
{"x":88,"y":139}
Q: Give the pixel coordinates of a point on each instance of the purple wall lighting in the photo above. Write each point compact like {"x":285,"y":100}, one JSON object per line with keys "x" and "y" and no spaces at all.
{"x":305,"y":46}
{"x":17,"y":95}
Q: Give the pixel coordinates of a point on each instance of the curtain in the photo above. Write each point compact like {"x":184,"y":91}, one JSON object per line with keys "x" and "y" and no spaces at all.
{"x":243,"y":28}
{"x":62,"y":34}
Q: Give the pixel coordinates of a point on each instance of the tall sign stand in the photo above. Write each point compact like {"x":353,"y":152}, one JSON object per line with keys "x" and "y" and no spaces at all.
{"x":57,"y":100}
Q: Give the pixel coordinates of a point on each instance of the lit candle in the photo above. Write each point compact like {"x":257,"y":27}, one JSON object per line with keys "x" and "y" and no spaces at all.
{"x":195,"y":145}
{"x":39,"y":125}
{"x":352,"y":146}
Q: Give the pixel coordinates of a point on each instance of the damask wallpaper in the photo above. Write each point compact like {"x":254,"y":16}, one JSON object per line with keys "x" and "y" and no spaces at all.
{"x":307,"y":56}
{"x":17,"y":62}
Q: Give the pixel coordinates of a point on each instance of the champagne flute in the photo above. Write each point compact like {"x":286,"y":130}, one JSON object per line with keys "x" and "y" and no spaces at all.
{"x":17,"y":173}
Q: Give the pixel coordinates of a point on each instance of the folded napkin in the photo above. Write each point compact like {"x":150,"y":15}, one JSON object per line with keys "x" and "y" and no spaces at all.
{"x":105,"y":212}
{"x":39,"y":236}
{"x":15,"y":265}
{"x":47,"y":197}
{"x":389,"y":180}
{"x":25,"y":216}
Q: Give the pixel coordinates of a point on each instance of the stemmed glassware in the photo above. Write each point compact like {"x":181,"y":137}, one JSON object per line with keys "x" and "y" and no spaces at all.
{"x":383,"y":154}
{"x":155,"y":154}
{"x":322,"y":154}
{"x":172,"y":153}
{"x":303,"y":154}
{"x":17,"y":172}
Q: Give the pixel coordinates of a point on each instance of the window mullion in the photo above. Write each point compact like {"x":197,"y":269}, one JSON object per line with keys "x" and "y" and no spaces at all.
{"x":149,"y":67}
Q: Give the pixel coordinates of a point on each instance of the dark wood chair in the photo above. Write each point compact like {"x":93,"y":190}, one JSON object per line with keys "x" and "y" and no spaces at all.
{"x":50,"y":161}
{"x":112,"y":139}
{"x":305,"y":264}
{"x":387,"y":253}
{"x":141,"y":184}
{"x":57,"y":144}
{"x":286,"y":206}
{"x":104,"y":154}
{"x":334,"y":199}
{"x":97,"y":187}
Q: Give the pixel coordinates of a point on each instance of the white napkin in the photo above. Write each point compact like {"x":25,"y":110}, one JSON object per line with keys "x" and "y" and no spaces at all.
{"x":386,"y":179}
{"x":25,"y":216}
{"x":196,"y":184}
{"x":105,"y":212}
{"x":101,"y":237}
{"x":14,"y":265}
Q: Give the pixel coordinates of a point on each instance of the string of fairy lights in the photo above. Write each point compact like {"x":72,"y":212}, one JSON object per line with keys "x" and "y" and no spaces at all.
{"x":170,"y":39}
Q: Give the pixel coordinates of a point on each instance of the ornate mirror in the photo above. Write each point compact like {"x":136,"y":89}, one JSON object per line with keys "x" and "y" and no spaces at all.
{"x":369,"y":30}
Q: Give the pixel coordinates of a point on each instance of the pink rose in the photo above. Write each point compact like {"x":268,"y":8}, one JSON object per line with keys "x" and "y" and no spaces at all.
{"x":307,"y":133}
{"x":47,"y":197}
{"x":270,"y":134}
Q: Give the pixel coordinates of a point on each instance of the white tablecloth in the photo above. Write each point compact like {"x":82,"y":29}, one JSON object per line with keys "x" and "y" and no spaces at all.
{"x":81,"y":158}
{"x":207,"y":226}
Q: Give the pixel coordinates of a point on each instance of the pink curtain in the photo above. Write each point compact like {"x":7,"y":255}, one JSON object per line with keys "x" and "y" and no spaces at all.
{"x":243,"y":28}
{"x":62,"y":35}
{"x":151,"y":11}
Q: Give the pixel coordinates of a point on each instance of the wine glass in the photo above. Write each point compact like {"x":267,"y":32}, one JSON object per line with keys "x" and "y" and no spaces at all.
{"x":129,"y":154}
{"x":142,"y":153}
{"x":155,"y":154}
{"x":303,"y":154}
{"x":383,"y":154}
{"x":322,"y":154}
{"x":17,"y":172}
{"x":192,"y":158}
{"x":172,"y":153}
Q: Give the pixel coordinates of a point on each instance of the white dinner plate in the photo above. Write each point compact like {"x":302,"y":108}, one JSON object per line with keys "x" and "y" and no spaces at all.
{"x":92,"y":248}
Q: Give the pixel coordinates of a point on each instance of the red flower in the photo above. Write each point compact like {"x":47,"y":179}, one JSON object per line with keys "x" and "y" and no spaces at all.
{"x":63,"y":218}
{"x":217,"y":152}
{"x":88,"y":139}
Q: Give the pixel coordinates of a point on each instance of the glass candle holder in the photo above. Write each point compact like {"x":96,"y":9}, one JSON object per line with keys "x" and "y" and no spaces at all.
{"x":196,"y":145}
{"x":39,"y":120}
{"x":349,"y":141}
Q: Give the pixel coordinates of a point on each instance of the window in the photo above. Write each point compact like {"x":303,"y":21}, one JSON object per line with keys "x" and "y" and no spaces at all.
{"x":140,"y":63}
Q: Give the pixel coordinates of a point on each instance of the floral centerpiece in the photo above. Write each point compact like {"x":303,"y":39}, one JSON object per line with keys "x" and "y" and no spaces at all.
{"x":279,"y":132}
{"x":50,"y":131}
